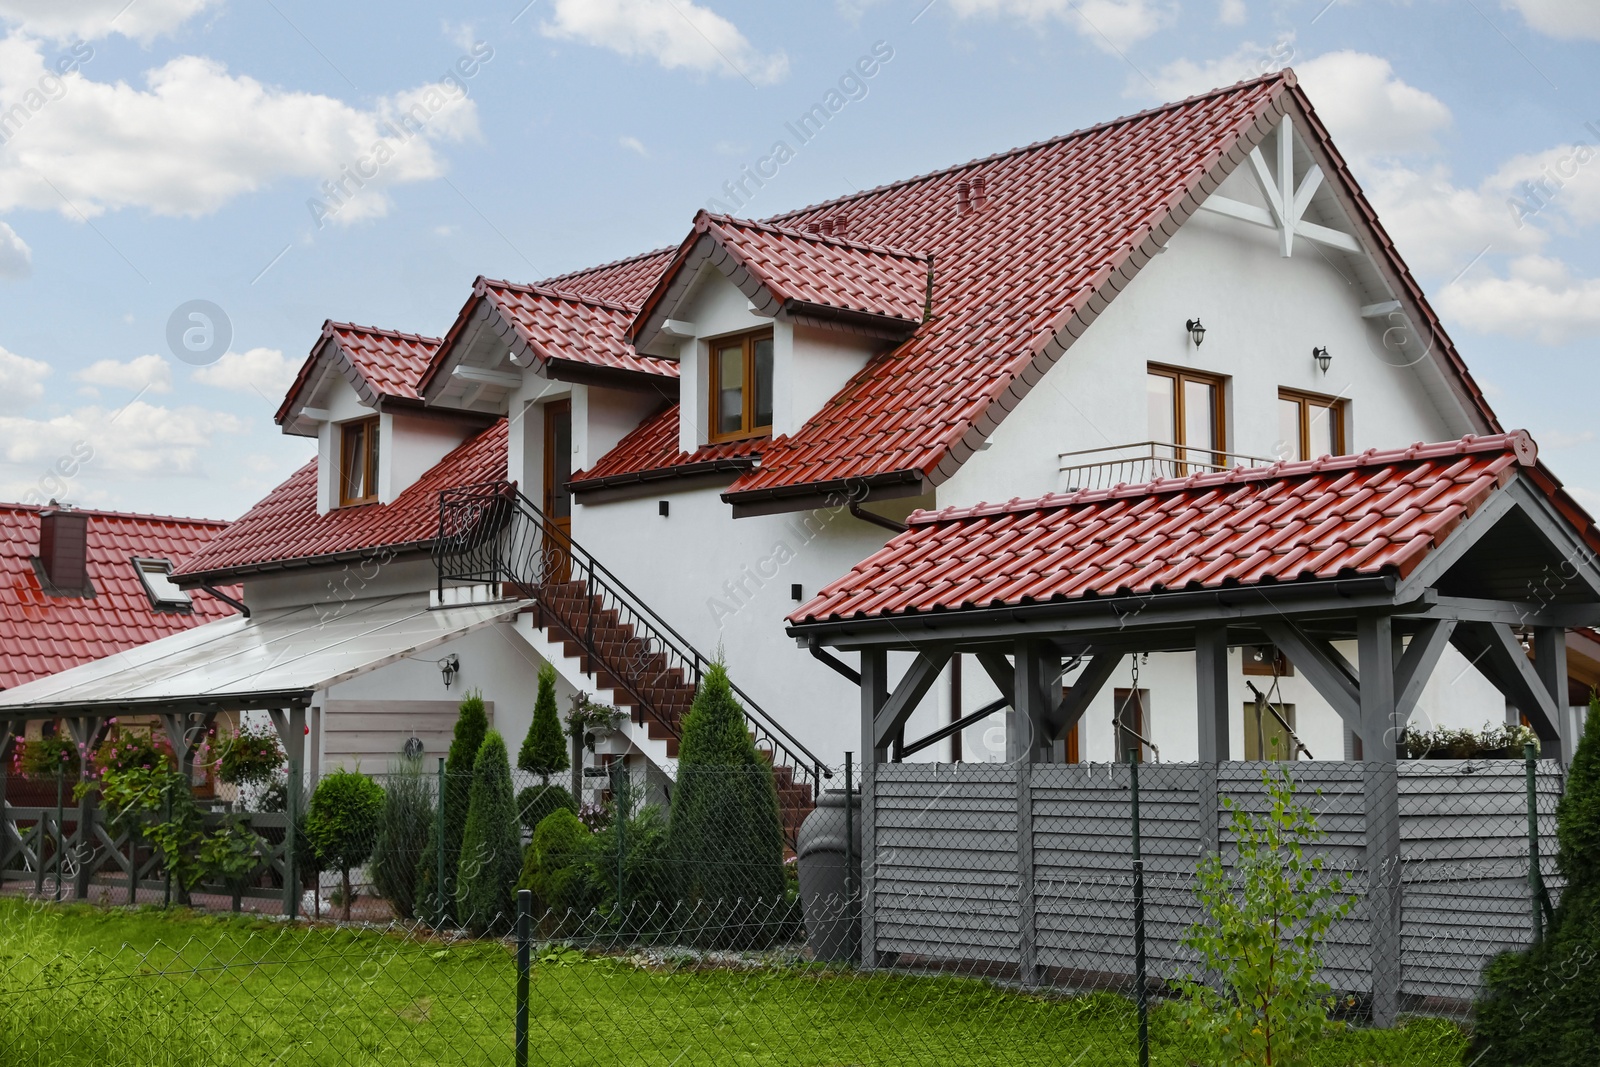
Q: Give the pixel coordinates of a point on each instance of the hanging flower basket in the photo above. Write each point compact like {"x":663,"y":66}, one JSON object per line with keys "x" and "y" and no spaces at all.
{"x":249,"y":757}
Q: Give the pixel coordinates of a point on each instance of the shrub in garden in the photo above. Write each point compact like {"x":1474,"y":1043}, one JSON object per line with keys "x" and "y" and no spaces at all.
{"x":555,"y":865}
{"x":534,"y":802}
{"x":490,"y":844}
{"x":233,"y":854}
{"x":544,"y":750}
{"x":472,"y":723}
{"x":1265,"y":917}
{"x":1542,"y":1006}
{"x":628,"y":856}
{"x":725,"y":838}
{"x":157,"y":803}
{"x":342,"y":824}
{"x":403,"y":830}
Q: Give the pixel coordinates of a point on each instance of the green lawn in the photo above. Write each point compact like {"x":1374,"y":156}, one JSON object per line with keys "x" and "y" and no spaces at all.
{"x":80,"y":986}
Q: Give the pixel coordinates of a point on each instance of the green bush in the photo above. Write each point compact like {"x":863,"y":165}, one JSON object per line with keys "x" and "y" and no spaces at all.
{"x":1541,"y":1007}
{"x":544,"y":750}
{"x":555,"y":867}
{"x":234,"y":854}
{"x":490,"y":844}
{"x":342,"y":824}
{"x":535,"y":802}
{"x":50,"y":755}
{"x":472,"y":723}
{"x":725,"y":838}
{"x":403,"y":829}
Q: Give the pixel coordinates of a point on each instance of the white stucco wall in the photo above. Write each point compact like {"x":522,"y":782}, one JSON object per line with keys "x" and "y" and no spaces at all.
{"x":409,"y":446}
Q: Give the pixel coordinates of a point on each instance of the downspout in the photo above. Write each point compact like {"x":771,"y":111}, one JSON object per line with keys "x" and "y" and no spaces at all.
{"x":877,"y":520}
{"x":237,"y":605}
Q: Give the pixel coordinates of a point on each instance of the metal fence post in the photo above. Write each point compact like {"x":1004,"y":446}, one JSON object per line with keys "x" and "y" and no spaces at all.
{"x":440,"y":908}
{"x":61,"y":828}
{"x":524,"y":961}
{"x":1141,"y":994}
{"x":166,"y":861}
{"x":1535,"y":876}
{"x":852,"y":914}
{"x":291,"y":871}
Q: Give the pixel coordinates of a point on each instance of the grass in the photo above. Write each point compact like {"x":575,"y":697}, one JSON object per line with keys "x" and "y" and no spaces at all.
{"x":81,"y":986}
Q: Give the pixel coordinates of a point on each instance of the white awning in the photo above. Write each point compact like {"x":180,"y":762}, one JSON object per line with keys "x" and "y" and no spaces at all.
{"x":276,"y":658}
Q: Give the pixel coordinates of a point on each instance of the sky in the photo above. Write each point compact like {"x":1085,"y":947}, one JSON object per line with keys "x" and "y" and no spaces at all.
{"x":188,"y":188}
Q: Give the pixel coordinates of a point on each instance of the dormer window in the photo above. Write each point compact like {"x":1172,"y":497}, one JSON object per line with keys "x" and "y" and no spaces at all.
{"x":358,"y":462}
{"x":741,"y":386}
{"x":156,"y":577}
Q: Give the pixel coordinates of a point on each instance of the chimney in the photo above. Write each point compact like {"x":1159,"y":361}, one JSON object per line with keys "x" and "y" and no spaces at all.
{"x":811,"y":227}
{"x":980,"y":195}
{"x":64,"y":547}
{"x":826,"y":227}
{"x":963,"y":198}
{"x":841,"y":226}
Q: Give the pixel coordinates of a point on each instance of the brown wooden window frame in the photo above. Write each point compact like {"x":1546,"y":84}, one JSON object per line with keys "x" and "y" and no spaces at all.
{"x":369,"y":428}
{"x":1336,"y":408}
{"x":747,"y":428}
{"x":1219,"y":416}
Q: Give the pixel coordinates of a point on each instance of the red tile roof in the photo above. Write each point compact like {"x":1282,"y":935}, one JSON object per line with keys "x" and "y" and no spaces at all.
{"x":650,"y":451}
{"x":42,"y":634}
{"x":623,"y":281}
{"x":1378,"y":512}
{"x":285,"y":528}
{"x":1065,"y":224}
{"x":793,"y":269}
{"x":380,"y":364}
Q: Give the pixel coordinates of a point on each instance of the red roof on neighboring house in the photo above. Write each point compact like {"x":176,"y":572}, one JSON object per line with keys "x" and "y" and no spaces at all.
{"x":1377,"y":512}
{"x":380,"y":364}
{"x":42,"y":634}
{"x":285,"y":527}
{"x":651,"y":450}
{"x":795,"y":269}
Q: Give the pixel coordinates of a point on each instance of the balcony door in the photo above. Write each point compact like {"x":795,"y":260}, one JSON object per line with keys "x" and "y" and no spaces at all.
{"x":558,"y":488}
{"x":1187,"y":421}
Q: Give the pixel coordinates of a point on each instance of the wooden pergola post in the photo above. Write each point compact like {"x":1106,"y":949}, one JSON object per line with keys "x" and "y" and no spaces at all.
{"x":1212,"y":716}
{"x":1381,"y":735}
{"x":874,"y":695}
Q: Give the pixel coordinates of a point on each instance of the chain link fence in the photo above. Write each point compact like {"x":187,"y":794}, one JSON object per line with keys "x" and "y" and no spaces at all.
{"x":971,"y":913}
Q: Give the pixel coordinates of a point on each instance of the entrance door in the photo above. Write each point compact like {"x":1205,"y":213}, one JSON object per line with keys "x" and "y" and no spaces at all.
{"x":558,"y":489}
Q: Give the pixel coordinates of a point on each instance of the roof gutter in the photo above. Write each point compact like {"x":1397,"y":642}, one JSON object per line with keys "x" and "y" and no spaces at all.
{"x":200,"y":579}
{"x":727,"y":465}
{"x":835,"y":493}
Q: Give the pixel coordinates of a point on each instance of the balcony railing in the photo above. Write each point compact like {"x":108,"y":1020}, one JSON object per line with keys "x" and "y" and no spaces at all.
{"x":1145,"y":461}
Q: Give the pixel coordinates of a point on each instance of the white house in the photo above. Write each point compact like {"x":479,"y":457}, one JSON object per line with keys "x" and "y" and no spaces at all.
{"x":724,"y":427}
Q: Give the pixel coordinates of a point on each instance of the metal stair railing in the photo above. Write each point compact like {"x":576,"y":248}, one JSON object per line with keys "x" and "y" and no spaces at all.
{"x":491,"y":533}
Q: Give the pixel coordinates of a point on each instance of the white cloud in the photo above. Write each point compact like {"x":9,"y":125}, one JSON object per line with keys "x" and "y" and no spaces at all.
{"x":140,"y":440}
{"x":1540,"y":299}
{"x":675,"y":33}
{"x":141,"y":372}
{"x":1567,"y":19}
{"x":1438,"y":226}
{"x":633,"y":144}
{"x":16,"y":258}
{"x":259,"y":370}
{"x":197,"y":137}
{"x":459,"y":34}
{"x":1369,"y":110}
{"x":1564,"y":180}
{"x":93,"y":19}
{"x":21,"y":381}
{"x":1184,"y":77}
{"x":1233,"y":12}
{"x":1110,"y":24}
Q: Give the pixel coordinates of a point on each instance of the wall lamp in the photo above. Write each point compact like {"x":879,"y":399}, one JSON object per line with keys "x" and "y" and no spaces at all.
{"x":450,"y":666}
{"x":1197,"y":332}
{"x":1322,"y":356}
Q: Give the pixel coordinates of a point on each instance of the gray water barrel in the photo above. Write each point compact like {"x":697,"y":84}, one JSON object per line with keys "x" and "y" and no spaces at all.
{"x":821,"y":858}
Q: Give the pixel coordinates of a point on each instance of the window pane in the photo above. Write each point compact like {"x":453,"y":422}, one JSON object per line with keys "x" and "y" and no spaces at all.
{"x":1322,"y":427}
{"x":355,"y":461}
{"x":1199,"y":418}
{"x":1163,"y":412}
{"x":1289,"y":429}
{"x":730,"y":389}
{"x":763,"y":363}
{"x":372,"y":458}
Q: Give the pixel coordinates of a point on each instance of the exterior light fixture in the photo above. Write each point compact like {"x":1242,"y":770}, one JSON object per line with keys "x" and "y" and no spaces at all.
{"x":1322,"y":356}
{"x":450,"y":666}
{"x":1197,"y":332}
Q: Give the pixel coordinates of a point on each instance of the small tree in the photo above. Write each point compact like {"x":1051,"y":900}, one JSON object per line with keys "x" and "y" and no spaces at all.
{"x":556,"y":868}
{"x":491,"y":853}
{"x":536,"y":802}
{"x":472,"y":723}
{"x":725,"y":837}
{"x":408,"y":817}
{"x":544,"y":750}
{"x":342,"y":823}
{"x":1265,"y":918}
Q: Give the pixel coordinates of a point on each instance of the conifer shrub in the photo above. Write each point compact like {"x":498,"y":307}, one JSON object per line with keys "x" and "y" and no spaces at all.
{"x":490,"y":843}
{"x":403,"y":831}
{"x":342,"y":824}
{"x":556,"y":867}
{"x":725,"y":837}
{"x":536,"y":802}
{"x":472,"y":723}
{"x":544,"y":749}
{"x":1541,"y":1007}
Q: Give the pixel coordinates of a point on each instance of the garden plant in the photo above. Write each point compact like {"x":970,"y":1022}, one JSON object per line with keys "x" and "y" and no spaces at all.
{"x":342,"y":824}
{"x":491,"y":852}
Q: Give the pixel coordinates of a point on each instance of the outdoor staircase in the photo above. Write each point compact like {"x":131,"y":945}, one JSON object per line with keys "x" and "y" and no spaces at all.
{"x":588,"y":623}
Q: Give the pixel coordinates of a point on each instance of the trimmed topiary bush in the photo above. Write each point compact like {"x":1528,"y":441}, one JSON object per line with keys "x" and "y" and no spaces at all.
{"x":491,"y":852}
{"x":342,"y":824}
{"x":403,"y":830}
{"x":544,"y":750}
{"x":725,"y":838}
{"x":535,"y":802}
{"x":1542,"y":1006}
{"x":555,"y":867}
{"x":472,"y":723}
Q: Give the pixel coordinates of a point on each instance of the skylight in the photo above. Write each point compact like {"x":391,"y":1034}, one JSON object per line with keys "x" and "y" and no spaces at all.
{"x":156,"y":574}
